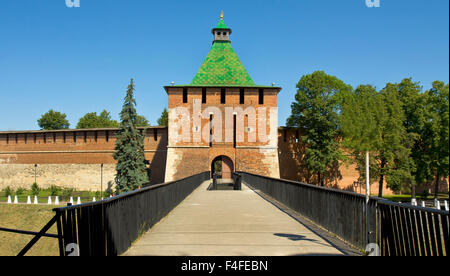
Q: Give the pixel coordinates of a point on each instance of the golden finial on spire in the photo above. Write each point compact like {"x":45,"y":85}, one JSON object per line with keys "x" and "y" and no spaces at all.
{"x":221,"y":15}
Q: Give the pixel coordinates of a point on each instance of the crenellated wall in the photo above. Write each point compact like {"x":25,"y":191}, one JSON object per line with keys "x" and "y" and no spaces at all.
{"x":71,"y":158}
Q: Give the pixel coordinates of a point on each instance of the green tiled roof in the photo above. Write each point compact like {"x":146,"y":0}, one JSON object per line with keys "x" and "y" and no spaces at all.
{"x":222,"y":67}
{"x":221,"y":25}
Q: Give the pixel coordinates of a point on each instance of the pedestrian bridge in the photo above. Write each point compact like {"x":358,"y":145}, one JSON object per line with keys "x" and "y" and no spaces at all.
{"x":229,"y":223}
{"x":260,"y":216}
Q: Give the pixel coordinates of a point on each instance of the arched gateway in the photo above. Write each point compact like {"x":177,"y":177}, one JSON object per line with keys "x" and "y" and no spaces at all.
{"x":223,"y":166}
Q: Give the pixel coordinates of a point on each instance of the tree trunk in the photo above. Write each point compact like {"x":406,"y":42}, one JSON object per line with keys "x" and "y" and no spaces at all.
{"x":380,"y":183}
{"x":318,"y":179}
{"x":413,"y":191}
{"x":436,"y":186}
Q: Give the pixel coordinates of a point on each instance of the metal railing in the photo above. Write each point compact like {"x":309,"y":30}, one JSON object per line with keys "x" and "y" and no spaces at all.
{"x":407,"y":230}
{"x":108,"y":227}
{"x":398,"y":229}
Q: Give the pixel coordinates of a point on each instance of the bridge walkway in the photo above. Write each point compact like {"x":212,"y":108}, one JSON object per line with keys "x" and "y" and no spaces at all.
{"x":229,"y":223}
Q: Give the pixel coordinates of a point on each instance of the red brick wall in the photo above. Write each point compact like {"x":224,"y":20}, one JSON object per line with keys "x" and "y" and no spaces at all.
{"x":189,"y":157}
{"x":93,"y":146}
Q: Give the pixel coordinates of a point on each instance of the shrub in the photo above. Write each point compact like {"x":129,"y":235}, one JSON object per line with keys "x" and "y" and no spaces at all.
{"x":20,"y":191}
{"x":8,"y":191}
{"x":54,"y":190}
{"x":67,"y":192}
{"x":35,"y":189}
{"x":107,"y":193}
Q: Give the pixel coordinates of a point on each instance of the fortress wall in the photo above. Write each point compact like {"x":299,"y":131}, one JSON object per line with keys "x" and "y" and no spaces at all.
{"x":291,"y":154}
{"x":71,"y":158}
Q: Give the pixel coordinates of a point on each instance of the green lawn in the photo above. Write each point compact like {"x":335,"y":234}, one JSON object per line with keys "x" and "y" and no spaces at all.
{"x":407,"y":198}
{"x":31,"y":218}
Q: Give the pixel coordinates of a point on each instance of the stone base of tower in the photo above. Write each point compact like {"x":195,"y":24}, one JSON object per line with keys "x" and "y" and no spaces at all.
{"x":186,"y":161}
{"x":262,"y":161}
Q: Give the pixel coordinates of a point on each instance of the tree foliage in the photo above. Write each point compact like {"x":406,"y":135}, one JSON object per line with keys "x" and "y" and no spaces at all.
{"x":164,"y":119}
{"x":362,"y":117}
{"x":315,"y":113}
{"x":405,"y":131}
{"x":436,"y":138}
{"x":53,"y":120}
{"x":141,"y":121}
{"x":129,"y":151}
{"x":92,"y":120}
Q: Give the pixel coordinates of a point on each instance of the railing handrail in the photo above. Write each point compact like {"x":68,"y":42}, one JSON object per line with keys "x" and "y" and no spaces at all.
{"x":373,"y":198}
{"x":126,"y":194}
{"x":310,"y":185}
{"x":410,"y":206}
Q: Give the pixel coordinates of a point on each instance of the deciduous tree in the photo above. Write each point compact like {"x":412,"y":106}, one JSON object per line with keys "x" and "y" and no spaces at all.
{"x":53,"y":120}
{"x":315,"y":113}
{"x":92,"y":120}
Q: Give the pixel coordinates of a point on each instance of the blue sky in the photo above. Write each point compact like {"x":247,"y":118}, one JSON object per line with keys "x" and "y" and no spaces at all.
{"x":79,"y":60}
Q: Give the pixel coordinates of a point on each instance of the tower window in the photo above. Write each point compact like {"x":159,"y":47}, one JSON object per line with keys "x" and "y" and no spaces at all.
{"x":261,"y":96}
{"x":222,"y":96}
{"x":184,"y":95}
{"x":203,"y":95}
{"x":155,"y":134}
{"x":241,"y":96}
{"x":218,"y":33}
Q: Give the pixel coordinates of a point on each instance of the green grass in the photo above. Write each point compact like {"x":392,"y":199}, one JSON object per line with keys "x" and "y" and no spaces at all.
{"x":30,"y":218}
{"x":407,"y":198}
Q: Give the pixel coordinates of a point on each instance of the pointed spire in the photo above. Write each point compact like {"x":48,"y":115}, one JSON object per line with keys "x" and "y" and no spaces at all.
{"x":221,"y":15}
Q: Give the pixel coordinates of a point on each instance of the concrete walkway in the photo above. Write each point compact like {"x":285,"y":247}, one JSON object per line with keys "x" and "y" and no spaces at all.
{"x":229,"y":223}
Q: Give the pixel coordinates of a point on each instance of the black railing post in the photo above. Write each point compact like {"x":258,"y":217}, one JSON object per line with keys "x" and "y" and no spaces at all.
{"x":214,"y":181}
{"x":237,"y":181}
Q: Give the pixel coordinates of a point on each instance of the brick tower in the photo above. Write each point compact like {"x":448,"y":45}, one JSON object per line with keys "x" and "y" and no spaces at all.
{"x":222,"y":117}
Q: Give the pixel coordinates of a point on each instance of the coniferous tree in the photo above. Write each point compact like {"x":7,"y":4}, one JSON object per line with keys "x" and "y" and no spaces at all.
{"x":164,"y":119}
{"x":129,"y":152}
